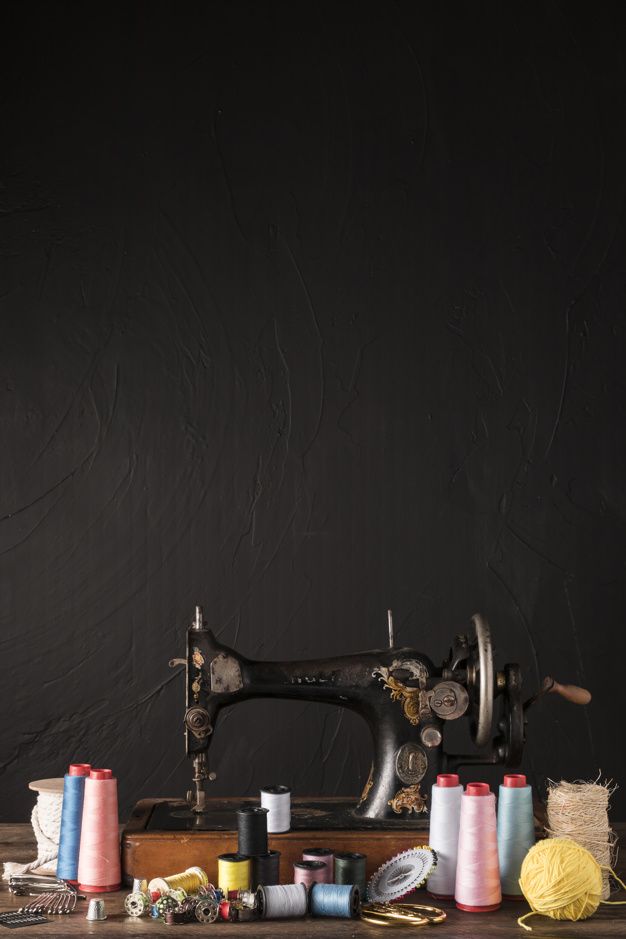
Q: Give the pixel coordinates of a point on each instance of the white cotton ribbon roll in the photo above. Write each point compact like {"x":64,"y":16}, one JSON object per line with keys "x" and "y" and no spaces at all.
{"x":46,"y":822}
{"x":278,"y":800}
{"x":445,"y":814}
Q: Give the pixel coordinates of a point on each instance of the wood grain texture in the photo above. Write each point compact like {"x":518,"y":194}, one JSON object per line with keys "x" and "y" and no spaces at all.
{"x":308,"y":310}
{"x":16,"y":843}
{"x":149,"y":854}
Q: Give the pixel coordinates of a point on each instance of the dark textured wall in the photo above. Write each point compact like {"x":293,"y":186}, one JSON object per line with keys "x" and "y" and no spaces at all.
{"x":307,"y":310}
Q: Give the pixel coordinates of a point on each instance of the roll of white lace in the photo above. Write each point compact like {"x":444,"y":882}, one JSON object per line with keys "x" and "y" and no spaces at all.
{"x":278,"y":800}
{"x":46,"y":821}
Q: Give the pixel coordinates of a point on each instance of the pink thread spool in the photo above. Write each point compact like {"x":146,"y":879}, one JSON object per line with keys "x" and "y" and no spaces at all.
{"x":325,"y":855}
{"x":478,"y":871}
{"x":99,"y":869}
{"x":310,"y":872}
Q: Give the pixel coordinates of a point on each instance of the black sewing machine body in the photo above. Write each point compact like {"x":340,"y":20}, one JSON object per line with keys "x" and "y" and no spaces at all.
{"x":405,"y":699}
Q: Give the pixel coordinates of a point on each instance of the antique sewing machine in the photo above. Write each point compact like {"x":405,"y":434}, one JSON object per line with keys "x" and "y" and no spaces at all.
{"x":406,"y":700}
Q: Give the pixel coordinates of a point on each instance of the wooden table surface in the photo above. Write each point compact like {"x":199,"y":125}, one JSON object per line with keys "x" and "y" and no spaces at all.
{"x":17,"y":844}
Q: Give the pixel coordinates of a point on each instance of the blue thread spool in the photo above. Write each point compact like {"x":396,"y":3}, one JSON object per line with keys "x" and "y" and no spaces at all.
{"x":516,"y":831}
{"x":71,"y":820}
{"x":340,"y":900}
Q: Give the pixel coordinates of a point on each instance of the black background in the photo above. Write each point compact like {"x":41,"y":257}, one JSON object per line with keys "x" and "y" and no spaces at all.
{"x":307,"y":310}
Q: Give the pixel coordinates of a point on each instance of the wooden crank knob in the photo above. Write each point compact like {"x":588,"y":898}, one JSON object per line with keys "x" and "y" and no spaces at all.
{"x":572,"y":693}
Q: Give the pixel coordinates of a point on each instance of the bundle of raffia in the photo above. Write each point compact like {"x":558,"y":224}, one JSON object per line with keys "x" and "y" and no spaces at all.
{"x":580,"y":811}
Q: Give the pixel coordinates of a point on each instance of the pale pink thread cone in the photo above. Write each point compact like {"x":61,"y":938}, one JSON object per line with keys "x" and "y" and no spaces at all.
{"x":99,"y":869}
{"x":478,"y":872}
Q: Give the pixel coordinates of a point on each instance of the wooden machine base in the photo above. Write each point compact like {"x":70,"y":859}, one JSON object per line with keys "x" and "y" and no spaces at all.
{"x":163,"y":838}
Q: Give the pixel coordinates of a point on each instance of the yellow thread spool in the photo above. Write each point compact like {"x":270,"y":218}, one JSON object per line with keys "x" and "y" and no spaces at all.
{"x":233,"y":872}
{"x":562,"y":880}
{"x":190,"y":881}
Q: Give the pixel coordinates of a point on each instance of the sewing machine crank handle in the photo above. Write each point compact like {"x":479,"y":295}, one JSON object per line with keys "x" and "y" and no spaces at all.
{"x":572,"y":693}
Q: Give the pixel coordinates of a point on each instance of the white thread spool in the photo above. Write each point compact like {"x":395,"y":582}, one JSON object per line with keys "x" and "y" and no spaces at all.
{"x":46,"y":822}
{"x":282,"y":901}
{"x":278,"y":800}
{"x":445,"y":814}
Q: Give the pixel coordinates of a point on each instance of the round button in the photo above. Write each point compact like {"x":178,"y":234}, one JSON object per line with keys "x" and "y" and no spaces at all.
{"x":431,"y":736}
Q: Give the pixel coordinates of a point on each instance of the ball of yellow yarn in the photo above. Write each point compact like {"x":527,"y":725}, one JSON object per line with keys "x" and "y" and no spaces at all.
{"x":561,"y":879}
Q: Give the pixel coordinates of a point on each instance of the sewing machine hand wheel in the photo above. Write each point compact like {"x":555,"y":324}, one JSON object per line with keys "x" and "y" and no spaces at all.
{"x":509,"y":744}
{"x":480,"y":681}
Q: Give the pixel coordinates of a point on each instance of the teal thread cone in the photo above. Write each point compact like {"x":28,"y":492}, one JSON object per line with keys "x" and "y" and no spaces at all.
{"x":516,"y":831}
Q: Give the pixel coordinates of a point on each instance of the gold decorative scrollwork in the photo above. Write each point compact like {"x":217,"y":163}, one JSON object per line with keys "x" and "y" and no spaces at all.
{"x":368,"y":785}
{"x":414,"y":700}
{"x":409,"y":798}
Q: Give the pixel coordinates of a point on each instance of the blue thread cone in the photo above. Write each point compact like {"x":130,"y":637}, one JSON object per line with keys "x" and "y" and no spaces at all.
{"x":516,"y":831}
{"x":71,"y":820}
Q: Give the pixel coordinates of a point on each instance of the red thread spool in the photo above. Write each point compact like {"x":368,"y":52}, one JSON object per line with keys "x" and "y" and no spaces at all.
{"x":310,"y":872}
{"x":99,"y":869}
{"x":478,"y":871}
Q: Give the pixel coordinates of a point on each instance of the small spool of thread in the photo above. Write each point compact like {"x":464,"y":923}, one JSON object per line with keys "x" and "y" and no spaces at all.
{"x":71,"y":821}
{"x":340,"y":900}
{"x":225,"y":910}
{"x":325,"y":855}
{"x":516,"y":831}
{"x":309,"y":873}
{"x":562,"y":880}
{"x":282,"y":901}
{"x":445,"y":815}
{"x":252,"y":830}
{"x":277,"y":800}
{"x":99,"y":869}
{"x":191,"y":881}
{"x":350,"y":869}
{"x":233,"y":872}
{"x":477,"y":888}
{"x":265,"y":869}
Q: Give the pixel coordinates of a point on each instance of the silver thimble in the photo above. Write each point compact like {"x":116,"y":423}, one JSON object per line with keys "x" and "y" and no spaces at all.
{"x":140,"y":885}
{"x":95,"y":911}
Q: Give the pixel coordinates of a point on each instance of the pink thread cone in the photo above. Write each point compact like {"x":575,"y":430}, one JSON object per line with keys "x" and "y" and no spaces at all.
{"x":99,"y":869}
{"x":478,"y":872}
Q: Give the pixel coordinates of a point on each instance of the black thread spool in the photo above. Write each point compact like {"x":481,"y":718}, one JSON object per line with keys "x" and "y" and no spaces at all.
{"x":252,"y":830}
{"x":350,"y":869}
{"x":266,"y":869}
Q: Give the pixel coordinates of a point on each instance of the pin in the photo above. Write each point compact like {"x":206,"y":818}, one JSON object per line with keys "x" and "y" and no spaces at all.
{"x":390,"y":623}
